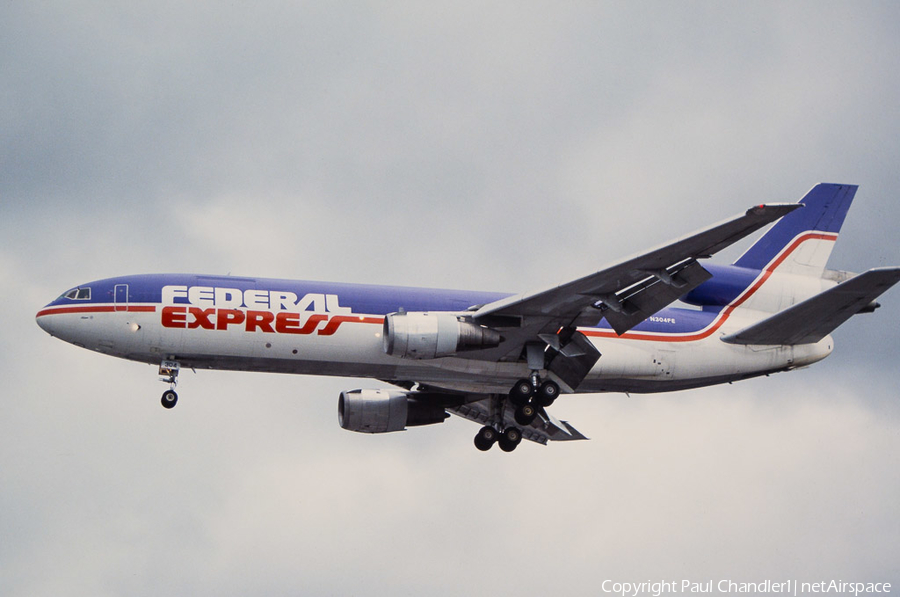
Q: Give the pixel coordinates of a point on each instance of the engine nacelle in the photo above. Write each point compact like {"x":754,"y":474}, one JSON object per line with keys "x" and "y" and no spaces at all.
{"x":431,"y":335}
{"x":381,"y":411}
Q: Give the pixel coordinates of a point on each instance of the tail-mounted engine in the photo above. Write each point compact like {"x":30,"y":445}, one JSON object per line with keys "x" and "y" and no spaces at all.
{"x":381,"y":411}
{"x":432,"y":335}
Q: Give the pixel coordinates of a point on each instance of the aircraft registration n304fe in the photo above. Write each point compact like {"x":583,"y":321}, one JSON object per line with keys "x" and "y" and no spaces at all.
{"x":497,"y":359}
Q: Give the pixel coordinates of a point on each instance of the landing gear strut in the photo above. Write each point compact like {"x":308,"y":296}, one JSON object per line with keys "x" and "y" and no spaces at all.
{"x":168,"y":372}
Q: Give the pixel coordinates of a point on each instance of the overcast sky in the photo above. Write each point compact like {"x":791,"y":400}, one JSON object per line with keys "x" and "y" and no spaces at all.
{"x":496,"y":146}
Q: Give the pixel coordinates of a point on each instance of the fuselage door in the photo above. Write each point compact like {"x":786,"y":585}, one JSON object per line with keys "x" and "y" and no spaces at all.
{"x":121,"y":297}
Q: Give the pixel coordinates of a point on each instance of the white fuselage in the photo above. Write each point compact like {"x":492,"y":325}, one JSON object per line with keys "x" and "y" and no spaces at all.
{"x":328,"y":339}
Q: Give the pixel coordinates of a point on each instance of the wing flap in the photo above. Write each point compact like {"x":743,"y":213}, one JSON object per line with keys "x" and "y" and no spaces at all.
{"x":813,"y":319}
{"x":638,"y":302}
{"x":543,"y":429}
{"x":574,"y":360}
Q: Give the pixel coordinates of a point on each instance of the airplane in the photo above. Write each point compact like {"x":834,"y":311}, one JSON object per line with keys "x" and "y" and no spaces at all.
{"x":501,"y":360}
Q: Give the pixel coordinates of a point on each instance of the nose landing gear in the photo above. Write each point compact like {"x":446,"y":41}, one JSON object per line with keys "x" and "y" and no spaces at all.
{"x":168,"y":373}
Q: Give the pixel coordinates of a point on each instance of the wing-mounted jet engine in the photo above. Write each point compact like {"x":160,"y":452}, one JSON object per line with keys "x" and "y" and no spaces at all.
{"x":433,"y":335}
{"x":383,"y":411}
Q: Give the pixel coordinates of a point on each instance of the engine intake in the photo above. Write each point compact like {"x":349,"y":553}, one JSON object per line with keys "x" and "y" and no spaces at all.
{"x":382,"y":411}
{"x":431,"y":335}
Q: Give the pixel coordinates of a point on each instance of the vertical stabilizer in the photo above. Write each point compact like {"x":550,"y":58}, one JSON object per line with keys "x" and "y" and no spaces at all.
{"x":801,"y":242}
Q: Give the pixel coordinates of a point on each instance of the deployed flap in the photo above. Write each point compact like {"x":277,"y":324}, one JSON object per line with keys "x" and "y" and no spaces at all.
{"x":637,"y":303}
{"x":543,"y":429}
{"x":813,"y":319}
{"x":566,"y":302}
{"x":574,"y":360}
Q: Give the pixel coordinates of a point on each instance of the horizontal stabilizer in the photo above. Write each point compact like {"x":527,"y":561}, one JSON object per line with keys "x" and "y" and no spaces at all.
{"x":813,"y":319}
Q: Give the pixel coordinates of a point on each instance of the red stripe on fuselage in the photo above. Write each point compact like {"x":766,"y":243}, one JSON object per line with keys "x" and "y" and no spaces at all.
{"x":717,"y":323}
{"x":336,"y":321}
{"x":330,"y":328}
{"x":96,"y":309}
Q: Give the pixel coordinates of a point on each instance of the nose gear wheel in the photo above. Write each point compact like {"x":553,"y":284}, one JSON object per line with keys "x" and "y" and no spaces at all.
{"x":168,"y":373}
{"x":169,"y":399}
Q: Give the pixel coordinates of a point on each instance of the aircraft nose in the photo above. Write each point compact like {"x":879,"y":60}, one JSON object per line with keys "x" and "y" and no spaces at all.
{"x":45,"y":321}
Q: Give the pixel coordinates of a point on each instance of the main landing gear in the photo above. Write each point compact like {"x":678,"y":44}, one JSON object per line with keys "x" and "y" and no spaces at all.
{"x":528,"y":395}
{"x":168,"y":372}
{"x":508,"y":439}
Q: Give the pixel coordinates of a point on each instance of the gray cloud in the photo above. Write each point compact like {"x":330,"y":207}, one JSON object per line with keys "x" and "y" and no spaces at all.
{"x":501,"y":147}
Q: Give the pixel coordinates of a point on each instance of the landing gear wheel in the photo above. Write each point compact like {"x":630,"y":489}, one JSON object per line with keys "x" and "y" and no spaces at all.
{"x":169,"y":399}
{"x":521,"y":392}
{"x":525,"y":414}
{"x":486,"y":438}
{"x":547,"y":393}
{"x":509,"y":439}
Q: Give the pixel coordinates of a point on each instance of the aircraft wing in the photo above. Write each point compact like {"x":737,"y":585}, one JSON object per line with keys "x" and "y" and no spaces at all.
{"x":637,"y":287}
{"x":625,"y":293}
{"x":813,"y":319}
{"x":541,"y":326}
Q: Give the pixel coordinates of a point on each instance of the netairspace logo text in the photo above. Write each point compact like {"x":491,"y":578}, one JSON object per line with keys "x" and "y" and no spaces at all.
{"x":722,"y":587}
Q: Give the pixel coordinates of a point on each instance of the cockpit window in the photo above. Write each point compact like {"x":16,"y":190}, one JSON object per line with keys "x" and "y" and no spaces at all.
{"x":79,"y":294}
